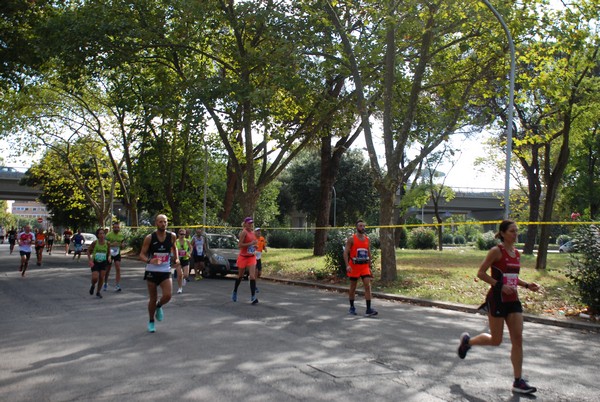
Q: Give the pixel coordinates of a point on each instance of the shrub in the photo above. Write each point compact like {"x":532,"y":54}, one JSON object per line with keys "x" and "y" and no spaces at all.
{"x":374,"y":241}
{"x":280,"y":239}
{"x":486,"y":241}
{"x":584,"y":267}
{"x":136,"y":239}
{"x":422,"y":239}
{"x":334,"y":253}
{"x":447,"y":238}
{"x":402,"y":238}
{"x":302,"y":239}
{"x":562,"y":239}
{"x":459,"y":239}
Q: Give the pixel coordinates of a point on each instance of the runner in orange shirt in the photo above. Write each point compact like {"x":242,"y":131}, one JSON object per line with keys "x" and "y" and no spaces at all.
{"x":357,"y":256}
{"x":261,"y":246}
{"x":40,"y":243}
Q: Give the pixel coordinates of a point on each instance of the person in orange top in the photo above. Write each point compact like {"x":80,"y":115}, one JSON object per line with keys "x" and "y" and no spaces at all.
{"x":40,"y":243}
{"x":357,"y":256}
{"x":261,"y":246}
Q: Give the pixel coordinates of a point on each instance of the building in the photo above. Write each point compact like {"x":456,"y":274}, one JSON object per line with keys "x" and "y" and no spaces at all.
{"x":30,"y":210}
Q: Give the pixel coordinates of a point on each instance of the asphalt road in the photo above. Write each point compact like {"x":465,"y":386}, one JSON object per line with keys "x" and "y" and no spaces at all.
{"x":298,"y":344}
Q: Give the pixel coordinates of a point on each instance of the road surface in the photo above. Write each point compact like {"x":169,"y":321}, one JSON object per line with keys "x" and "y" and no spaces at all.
{"x":298,"y":344}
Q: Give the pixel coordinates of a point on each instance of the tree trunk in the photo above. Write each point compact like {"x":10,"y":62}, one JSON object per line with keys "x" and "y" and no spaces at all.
{"x":386,"y":236}
{"x":326,"y":182}
{"x":399,"y":220}
{"x":330,"y":166}
{"x":552,"y":179}
{"x":229,"y":193}
{"x":535,"y":192}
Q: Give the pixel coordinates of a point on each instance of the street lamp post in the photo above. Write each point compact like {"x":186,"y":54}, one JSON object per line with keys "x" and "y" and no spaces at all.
{"x":511,"y":99}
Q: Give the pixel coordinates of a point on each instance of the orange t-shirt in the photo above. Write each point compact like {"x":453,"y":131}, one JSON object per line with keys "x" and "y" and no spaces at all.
{"x":262,"y":243}
{"x":40,"y":240}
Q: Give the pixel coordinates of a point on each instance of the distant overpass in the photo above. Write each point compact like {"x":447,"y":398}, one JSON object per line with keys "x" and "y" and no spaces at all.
{"x":475,"y":203}
{"x":10,"y":189}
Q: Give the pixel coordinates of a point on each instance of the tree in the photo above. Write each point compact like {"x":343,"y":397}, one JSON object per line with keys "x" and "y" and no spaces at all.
{"x":557,"y":61}
{"x":581,"y":190}
{"x":434,"y":61}
{"x":356,"y":195}
{"x":438,"y":191}
{"x":76,"y":186}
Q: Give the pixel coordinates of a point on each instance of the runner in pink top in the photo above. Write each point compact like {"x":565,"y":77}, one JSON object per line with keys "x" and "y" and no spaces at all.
{"x":246,"y":259}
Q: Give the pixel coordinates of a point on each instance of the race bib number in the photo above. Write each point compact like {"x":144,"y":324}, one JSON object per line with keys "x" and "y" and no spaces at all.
{"x":362,"y":256}
{"x":510,"y":280}
{"x":114,"y":251}
{"x":258,"y":254}
{"x":100,"y":257}
{"x":163,"y":257}
{"x":181,"y":252}
{"x":251,"y":249}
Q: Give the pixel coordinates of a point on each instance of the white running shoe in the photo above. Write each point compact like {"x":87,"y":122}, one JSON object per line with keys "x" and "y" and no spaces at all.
{"x":180,"y":290}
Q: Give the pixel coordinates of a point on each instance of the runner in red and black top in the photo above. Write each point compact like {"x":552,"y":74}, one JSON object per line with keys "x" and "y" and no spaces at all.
{"x":502,"y":302}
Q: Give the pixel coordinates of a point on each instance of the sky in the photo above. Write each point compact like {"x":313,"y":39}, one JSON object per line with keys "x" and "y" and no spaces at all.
{"x":464,"y":174}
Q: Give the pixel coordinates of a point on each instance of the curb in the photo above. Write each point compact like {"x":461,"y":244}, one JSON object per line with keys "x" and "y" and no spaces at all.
{"x":443,"y":305}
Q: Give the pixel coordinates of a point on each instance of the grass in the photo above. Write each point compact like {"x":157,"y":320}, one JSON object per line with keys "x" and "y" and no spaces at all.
{"x":450,"y":276}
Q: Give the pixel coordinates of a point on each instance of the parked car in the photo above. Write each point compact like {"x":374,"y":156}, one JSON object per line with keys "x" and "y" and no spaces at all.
{"x":221,"y":252}
{"x":568,"y":247}
{"x":88,"y":239}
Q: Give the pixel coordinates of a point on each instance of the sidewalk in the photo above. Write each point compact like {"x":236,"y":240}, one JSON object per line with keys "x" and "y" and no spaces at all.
{"x":564,"y":323}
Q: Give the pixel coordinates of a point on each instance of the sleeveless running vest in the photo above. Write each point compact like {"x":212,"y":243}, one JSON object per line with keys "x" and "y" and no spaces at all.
{"x":359,"y":252}
{"x":161,"y":250}
{"x":507,"y":270}
{"x":100,"y":252}
{"x":183,"y":250}
{"x":248,"y":251}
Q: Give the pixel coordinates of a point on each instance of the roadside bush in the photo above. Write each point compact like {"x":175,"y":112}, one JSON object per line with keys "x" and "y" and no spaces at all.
{"x":401,"y":238}
{"x":584,"y":266}
{"x":334,"y":254}
{"x":459,"y":239}
{"x":562,"y":239}
{"x":486,"y":241}
{"x":280,"y":239}
{"x":136,"y":239}
{"x":302,"y":239}
{"x":422,"y":239}
{"x":447,"y":238}
{"x":374,"y":241}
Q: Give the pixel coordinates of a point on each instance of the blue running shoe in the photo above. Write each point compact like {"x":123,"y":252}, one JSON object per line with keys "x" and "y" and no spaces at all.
{"x":234,"y":296}
{"x":151,"y":328}
{"x":371,"y":312}
{"x":463,"y":346}
{"x":159,"y":314}
{"x":254,"y":299}
{"x":352,"y":311}
{"x":105,"y":287}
